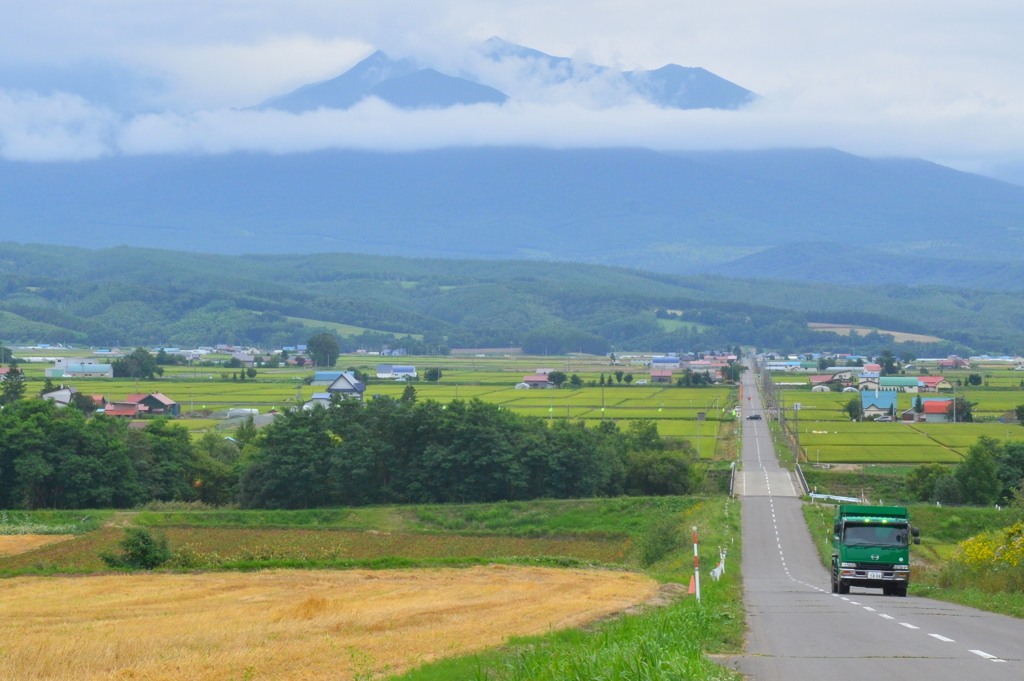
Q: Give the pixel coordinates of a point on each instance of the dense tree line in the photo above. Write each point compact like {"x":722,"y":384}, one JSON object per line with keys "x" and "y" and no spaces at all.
{"x":347,"y":454}
{"x":991,"y":472}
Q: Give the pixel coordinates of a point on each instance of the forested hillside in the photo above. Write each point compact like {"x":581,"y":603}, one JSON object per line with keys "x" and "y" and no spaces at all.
{"x":127,"y":296}
{"x":668,"y":212}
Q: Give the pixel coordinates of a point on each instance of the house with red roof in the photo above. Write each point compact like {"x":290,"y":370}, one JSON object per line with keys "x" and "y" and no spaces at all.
{"x":541,"y":381}
{"x":129,"y":410}
{"x":156,"y":403}
{"x":933,"y":384}
{"x":661,"y":376}
{"x":935,"y":411}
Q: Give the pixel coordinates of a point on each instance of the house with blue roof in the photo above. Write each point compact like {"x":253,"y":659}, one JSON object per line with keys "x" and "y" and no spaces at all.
{"x":878,"y":403}
{"x":326,"y":377}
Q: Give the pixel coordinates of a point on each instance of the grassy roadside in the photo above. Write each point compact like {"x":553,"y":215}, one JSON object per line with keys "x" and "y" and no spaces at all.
{"x":660,"y":644}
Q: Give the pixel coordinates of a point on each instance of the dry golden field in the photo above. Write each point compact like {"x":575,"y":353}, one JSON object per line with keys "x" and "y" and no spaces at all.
{"x":11,"y":544}
{"x":296,"y":625}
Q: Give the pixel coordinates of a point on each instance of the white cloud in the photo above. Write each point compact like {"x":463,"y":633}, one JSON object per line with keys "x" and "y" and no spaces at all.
{"x":931,"y":78}
{"x":57,"y":127}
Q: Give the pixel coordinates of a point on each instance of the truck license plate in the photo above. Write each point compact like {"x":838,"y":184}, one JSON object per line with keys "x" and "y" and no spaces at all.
{"x":874,"y":575}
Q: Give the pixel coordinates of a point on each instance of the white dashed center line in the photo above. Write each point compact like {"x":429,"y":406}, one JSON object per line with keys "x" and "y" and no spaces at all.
{"x":982,"y":653}
{"x":942,"y":638}
{"x":908,"y":626}
{"x":888,"y":617}
{"x":869,"y":609}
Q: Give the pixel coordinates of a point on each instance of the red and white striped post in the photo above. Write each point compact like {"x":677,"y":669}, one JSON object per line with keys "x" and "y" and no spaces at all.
{"x":696,"y":563}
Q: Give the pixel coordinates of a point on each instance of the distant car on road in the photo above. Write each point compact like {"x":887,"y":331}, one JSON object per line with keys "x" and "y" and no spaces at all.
{"x":883,"y":419}
{"x":754,"y":417}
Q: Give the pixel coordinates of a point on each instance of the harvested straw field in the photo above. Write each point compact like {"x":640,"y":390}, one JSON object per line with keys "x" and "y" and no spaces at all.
{"x":298,"y":625}
{"x":11,"y":544}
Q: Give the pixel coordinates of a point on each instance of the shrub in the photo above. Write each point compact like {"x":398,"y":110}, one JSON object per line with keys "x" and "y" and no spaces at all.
{"x":660,"y":539}
{"x":141,"y":549}
{"x":947,"y":490}
{"x":658,"y":474}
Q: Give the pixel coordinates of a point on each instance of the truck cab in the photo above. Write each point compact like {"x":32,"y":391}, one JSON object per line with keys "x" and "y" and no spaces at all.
{"x":871,"y":548}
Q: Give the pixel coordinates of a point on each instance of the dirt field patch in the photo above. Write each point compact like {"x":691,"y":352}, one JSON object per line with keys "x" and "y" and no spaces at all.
{"x":11,"y":544}
{"x":898,"y":336}
{"x":299,"y":625}
{"x":261,"y":544}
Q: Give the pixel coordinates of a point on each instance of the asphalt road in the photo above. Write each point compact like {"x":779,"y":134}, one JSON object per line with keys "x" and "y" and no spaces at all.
{"x":799,"y":630}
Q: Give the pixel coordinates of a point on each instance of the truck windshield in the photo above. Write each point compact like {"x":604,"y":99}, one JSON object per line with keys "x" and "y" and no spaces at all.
{"x":875,"y":535}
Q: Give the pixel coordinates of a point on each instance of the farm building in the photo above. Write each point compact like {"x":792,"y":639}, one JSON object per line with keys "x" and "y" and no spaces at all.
{"x":79,"y":368}
{"x":902,"y":384}
{"x":876,"y":368}
{"x":156,"y":403}
{"x":821,"y":389}
{"x":538,"y":382}
{"x":664,"y":362}
{"x":661,"y":376}
{"x":395,"y":371}
{"x":326,"y":377}
{"x":125,"y":409}
{"x":346,"y":385}
{"x":878,"y":403}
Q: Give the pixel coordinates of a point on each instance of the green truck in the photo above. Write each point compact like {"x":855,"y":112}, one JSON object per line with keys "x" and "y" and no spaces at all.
{"x":871,"y":548}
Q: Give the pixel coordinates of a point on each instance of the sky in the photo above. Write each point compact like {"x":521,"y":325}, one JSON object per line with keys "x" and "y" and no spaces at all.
{"x":927,"y":78}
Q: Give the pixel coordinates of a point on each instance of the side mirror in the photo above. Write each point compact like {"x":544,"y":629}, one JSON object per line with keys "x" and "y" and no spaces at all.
{"x":917,"y":540}
{"x":915,"y":532}
{"x":836,"y":528}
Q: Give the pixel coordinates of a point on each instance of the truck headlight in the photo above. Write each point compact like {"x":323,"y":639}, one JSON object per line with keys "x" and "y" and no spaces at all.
{"x":848,"y":565}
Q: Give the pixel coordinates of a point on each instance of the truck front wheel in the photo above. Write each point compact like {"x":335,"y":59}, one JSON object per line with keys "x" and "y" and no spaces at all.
{"x":844,"y":588}
{"x":900,"y":591}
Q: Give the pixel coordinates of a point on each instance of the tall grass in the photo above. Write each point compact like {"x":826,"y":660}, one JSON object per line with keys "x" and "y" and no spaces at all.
{"x":49,"y":522}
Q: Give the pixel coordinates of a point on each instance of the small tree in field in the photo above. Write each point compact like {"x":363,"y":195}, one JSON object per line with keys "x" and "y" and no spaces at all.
{"x":558,"y":378}
{"x":140,"y":550}
{"x":854,"y":408}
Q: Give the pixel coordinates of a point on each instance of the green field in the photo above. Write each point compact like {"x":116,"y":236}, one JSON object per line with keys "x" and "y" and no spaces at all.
{"x":489,"y":379}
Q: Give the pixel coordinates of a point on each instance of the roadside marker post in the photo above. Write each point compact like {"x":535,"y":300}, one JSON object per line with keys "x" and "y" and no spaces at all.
{"x":696,"y":564}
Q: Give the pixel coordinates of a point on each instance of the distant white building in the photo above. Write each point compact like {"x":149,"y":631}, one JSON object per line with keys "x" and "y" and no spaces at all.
{"x":396,"y":371}
{"x":664,"y":363}
{"x":79,"y":368}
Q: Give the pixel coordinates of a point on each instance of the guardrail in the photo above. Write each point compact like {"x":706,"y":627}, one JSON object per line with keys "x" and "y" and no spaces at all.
{"x":803,"y":480}
{"x":833,"y":497}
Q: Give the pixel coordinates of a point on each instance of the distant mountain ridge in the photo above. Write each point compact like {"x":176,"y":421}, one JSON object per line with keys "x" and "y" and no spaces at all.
{"x":405,"y":84}
{"x":398,"y":82}
{"x":665,"y":212}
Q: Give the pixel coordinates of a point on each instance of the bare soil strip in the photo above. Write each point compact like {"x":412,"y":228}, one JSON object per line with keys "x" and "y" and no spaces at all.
{"x":12,"y":544}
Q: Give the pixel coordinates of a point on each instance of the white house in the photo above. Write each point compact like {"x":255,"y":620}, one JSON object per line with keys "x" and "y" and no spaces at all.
{"x":346,"y":385}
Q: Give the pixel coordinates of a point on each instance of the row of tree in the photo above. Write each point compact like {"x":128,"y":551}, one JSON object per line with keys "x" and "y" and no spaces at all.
{"x":387,"y":451}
